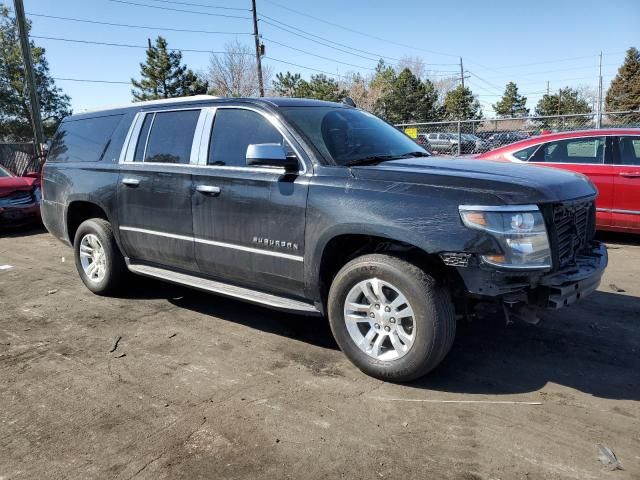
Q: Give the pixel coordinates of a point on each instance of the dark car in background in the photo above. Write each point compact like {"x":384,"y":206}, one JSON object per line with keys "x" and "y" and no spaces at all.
{"x":505,"y":138}
{"x":19,"y":198}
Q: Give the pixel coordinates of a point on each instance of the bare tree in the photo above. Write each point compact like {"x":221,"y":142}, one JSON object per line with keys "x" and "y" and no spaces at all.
{"x":443,"y":86}
{"x":233,"y":73}
{"x":415,"y":64}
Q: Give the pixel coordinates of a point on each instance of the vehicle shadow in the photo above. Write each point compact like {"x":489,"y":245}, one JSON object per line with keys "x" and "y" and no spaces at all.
{"x":313,"y":330}
{"x":23,"y":231}
{"x":619,"y":238}
{"x":593,"y":347}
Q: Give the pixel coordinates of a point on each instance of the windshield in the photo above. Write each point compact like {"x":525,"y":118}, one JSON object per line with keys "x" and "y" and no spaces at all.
{"x":349,"y":136}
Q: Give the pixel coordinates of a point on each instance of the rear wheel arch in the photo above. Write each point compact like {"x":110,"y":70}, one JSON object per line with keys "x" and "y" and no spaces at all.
{"x":80,"y":210}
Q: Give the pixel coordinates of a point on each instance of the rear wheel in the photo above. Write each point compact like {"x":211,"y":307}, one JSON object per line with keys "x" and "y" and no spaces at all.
{"x":390,"y":318}
{"x":98,"y":259}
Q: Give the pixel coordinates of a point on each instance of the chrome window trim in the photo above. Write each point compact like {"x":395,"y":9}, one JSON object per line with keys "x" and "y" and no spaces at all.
{"x":232,"y":246}
{"x":510,"y":156}
{"x":498,"y":208}
{"x":131,"y":141}
{"x":274,"y":121}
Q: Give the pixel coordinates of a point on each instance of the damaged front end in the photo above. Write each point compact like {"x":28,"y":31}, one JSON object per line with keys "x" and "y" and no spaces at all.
{"x":546,"y":257}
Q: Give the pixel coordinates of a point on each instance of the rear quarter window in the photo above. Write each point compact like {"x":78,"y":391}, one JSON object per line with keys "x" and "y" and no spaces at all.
{"x":84,"y":140}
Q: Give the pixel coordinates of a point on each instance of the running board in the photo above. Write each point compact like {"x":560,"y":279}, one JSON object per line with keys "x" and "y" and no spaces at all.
{"x":246,"y":294}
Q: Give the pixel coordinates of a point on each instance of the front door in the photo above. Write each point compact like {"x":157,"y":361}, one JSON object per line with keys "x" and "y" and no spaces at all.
{"x":248,"y":222}
{"x":626,"y":195}
{"x":589,"y":156}
{"x":155,"y":188}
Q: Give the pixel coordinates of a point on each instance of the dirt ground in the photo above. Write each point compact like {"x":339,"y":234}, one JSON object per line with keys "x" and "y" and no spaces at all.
{"x":204,"y":387}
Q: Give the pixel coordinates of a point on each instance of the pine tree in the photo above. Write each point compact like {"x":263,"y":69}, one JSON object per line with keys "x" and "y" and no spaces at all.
{"x":287,"y":85}
{"x":512,"y":104}
{"x":461,"y":104}
{"x":624,"y":92}
{"x":567,"y":101}
{"x":321,"y":87}
{"x":163,"y":76}
{"x":15,"y":111}
{"x":410,"y":100}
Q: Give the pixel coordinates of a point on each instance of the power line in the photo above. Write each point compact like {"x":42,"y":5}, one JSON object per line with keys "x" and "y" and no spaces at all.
{"x":316,"y":55}
{"x":126,"y":45}
{"x":89,"y":80}
{"x":179,"y":10}
{"x":433,"y":52}
{"x":372,"y":56}
{"x":175,"y":2}
{"x":306,"y":68}
{"x":95,"y":22}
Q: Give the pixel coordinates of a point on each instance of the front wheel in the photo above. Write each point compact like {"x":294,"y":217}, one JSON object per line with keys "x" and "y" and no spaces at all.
{"x":390,"y":318}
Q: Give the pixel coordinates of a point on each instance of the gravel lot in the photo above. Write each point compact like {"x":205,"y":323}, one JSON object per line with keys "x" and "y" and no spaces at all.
{"x":204,"y":387}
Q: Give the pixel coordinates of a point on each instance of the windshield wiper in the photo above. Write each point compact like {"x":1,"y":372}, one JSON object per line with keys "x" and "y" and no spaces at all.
{"x":373,"y":159}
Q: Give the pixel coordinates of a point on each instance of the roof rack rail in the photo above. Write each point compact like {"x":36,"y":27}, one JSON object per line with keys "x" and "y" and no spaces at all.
{"x":193,"y":98}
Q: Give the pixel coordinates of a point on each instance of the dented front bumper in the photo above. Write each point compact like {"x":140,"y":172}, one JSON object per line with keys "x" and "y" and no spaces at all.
{"x":549,"y":290}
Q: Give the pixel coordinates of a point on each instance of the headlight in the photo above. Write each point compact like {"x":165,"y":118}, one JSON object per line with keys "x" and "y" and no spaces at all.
{"x":519,"y":229}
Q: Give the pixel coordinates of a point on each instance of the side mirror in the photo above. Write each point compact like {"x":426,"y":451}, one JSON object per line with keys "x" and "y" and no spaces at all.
{"x":270,"y":155}
{"x":32,"y":175}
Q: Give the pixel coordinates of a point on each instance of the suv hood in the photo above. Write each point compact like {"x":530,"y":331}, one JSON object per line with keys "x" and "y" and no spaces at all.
{"x":514,"y":183}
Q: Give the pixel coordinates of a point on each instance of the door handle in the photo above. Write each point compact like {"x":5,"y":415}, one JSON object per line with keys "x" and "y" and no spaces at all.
{"x":131,"y":182}
{"x":208,"y":190}
{"x":629,"y":174}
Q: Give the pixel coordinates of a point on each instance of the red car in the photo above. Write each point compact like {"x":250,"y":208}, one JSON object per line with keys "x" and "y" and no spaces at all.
{"x":19,"y":198}
{"x":609,"y":157}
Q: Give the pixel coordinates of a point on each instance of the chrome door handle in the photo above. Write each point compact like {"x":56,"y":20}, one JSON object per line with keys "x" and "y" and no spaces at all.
{"x":629,"y":174}
{"x":208,"y":190}
{"x":131,"y":182}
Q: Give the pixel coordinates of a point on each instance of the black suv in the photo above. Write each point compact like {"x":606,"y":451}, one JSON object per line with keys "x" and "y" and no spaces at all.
{"x":318,"y":208}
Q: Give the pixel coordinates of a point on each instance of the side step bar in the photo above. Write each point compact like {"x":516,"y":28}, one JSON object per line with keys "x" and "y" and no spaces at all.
{"x":246,"y":294}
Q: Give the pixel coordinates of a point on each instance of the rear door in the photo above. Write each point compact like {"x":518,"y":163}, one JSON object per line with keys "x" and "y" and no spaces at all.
{"x":155,"y":188}
{"x":626,"y":193}
{"x":249,"y":222}
{"x":589,"y":156}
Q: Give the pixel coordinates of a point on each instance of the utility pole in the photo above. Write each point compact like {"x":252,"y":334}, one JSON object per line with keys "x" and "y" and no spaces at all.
{"x":461,"y":73}
{"x":547,"y":88}
{"x":36,"y":119}
{"x":258,"y":52}
{"x":599,"y":108}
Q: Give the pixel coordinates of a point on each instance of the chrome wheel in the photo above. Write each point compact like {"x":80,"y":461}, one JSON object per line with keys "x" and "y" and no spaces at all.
{"x":93,"y":258}
{"x":380,"y":319}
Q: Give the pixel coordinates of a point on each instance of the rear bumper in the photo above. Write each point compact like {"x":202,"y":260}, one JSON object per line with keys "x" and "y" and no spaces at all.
{"x":17,"y":216}
{"x":540,"y":289}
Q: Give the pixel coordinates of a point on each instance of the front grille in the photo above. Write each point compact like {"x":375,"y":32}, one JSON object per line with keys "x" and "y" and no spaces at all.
{"x":16,"y":199}
{"x":573,"y":228}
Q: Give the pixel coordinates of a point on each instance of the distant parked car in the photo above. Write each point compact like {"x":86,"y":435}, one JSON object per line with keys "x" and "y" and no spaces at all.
{"x":505,"y":138}
{"x":448,"y":143}
{"x":479,"y":145}
{"x":19,"y":198}
{"x":422,"y":140}
{"x":609,"y":157}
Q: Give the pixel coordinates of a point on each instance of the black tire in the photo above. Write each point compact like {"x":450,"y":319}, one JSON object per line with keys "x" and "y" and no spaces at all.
{"x":115,"y":267}
{"x":434,"y":316}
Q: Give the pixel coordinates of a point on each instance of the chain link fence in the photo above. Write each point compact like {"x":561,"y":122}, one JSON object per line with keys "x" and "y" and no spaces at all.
{"x":19,"y":158}
{"x":477,"y":136}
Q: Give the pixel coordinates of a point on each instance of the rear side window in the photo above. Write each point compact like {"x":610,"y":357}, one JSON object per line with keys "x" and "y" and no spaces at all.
{"x":166,"y":137}
{"x":629,"y":150}
{"x":575,"y":150}
{"x":233,"y":131}
{"x":83,"y":140}
{"x":525,"y":154}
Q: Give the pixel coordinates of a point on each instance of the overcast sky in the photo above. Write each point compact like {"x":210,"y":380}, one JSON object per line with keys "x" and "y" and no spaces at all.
{"x":527,"y":42}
